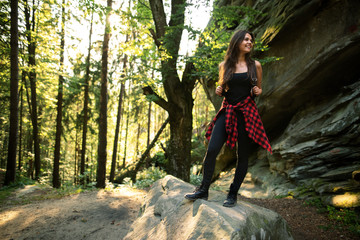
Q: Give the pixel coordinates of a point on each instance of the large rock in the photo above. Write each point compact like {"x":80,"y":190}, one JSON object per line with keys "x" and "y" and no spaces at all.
{"x":167,"y":215}
{"x":311,"y":102}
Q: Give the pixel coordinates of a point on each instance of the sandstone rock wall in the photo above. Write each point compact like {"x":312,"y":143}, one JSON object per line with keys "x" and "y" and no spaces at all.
{"x":310,"y":102}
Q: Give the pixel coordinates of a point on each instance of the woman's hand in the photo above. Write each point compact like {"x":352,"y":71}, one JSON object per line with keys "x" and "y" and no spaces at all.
{"x":219,"y":91}
{"x":256,"y":91}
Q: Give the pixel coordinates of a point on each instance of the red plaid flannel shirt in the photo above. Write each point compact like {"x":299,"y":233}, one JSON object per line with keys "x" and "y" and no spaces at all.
{"x":253,"y":124}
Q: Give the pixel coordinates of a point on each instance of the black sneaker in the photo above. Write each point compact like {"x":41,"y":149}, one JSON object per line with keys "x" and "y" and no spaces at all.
{"x":199,"y":193}
{"x":230,"y":200}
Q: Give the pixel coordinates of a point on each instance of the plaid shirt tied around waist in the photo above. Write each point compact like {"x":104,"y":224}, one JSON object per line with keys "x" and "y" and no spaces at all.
{"x":253,"y":124}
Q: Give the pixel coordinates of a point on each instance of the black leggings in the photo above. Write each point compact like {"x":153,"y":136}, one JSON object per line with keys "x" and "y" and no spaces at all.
{"x":218,"y":137}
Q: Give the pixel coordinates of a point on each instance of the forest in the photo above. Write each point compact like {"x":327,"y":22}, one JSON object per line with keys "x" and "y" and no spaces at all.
{"x":94,"y":91}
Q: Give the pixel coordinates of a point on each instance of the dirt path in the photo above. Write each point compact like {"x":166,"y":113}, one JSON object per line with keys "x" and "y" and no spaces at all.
{"x":91,"y":215}
{"x":103,"y":214}
{"x":305,"y":222}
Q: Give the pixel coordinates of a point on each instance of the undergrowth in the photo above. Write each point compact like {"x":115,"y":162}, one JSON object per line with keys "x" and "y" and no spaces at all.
{"x":345,"y":218}
{"x":146,"y":177}
{"x":20,"y":182}
{"x":42,"y":191}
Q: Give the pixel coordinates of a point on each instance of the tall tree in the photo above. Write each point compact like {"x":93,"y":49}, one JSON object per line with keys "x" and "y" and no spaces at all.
{"x":14,"y":98}
{"x":56,"y":175}
{"x":148,"y":159}
{"x":30,"y":28}
{"x":119,"y":113}
{"x":21,"y":129}
{"x":101,"y":167}
{"x":127,"y":124}
{"x":117,"y":128}
{"x":179,"y":103}
{"x":86,"y":101}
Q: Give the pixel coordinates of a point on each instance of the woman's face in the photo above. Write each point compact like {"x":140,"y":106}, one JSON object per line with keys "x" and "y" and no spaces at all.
{"x":247,"y":44}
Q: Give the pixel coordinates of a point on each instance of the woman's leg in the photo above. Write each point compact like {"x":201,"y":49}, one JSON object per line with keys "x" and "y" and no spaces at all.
{"x":218,"y":137}
{"x":242,"y":155}
{"x":241,"y":164}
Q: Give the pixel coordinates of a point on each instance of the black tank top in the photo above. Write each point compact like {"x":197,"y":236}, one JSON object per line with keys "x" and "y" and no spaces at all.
{"x":239,"y":88}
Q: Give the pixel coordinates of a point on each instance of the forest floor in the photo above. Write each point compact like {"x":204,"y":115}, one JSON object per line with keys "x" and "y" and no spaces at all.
{"x":96,"y":214}
{"x":305,"y":222}
{"x":101,"y":214}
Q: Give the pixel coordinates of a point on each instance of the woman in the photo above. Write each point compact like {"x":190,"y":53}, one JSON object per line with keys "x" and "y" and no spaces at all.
{"x":237,"y":120}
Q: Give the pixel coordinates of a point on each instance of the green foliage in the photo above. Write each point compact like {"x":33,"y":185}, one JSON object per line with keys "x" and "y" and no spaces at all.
{"x":5,"y":193}
{"x":344,"y":216}
{"x":281,"y":196}
{"x":215,"y":39}
{"x":43,"y":191}
{"x":198,"y":150}
{"x":229,"y":17}
{"x":152,"y":97}
{"x":160,"y":159}
{"x":20,"y":182}
{"x":66,"y":190}
{"x":305,"y":190}
{"x":83,"y":178}
{"x":195,"y":179}
{"x":147,"y":177}
{"x":316,"y":202}
{"x":347,"y":218}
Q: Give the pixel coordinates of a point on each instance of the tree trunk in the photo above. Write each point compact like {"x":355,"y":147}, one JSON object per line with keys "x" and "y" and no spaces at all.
{"x":14,"y":98}
{"x":120,"y":137}
{"x":56,"y":175}
{"x":20,"y":127}
{"x":179,"y":102}
{"x":101,"y":167}
{"x":30,"y":143}
{"x":86,"y":103}
{"x":118,"y":119}
{"x":137,"y":140}
{"x":30,"y":27}
{"x":148,"y":134}
{"x":127,"y":127}
{"x":179,"y":148}
{"x":77,"y":153}
{"x":5,"y":145}
{"x":75,"y":157}
{"x":29,"y":138}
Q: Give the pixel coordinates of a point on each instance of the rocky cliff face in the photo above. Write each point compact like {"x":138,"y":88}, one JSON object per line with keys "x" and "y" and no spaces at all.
{"x":311,"y":98}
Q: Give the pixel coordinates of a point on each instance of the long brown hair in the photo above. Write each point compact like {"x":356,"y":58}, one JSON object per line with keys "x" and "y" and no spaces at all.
{"x":227,"y":67}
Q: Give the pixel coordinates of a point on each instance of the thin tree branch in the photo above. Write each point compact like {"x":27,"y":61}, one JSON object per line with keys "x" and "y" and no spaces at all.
{"x":144,"y":4}
{"x":156,"y":99}
{"x":156,"y":40}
